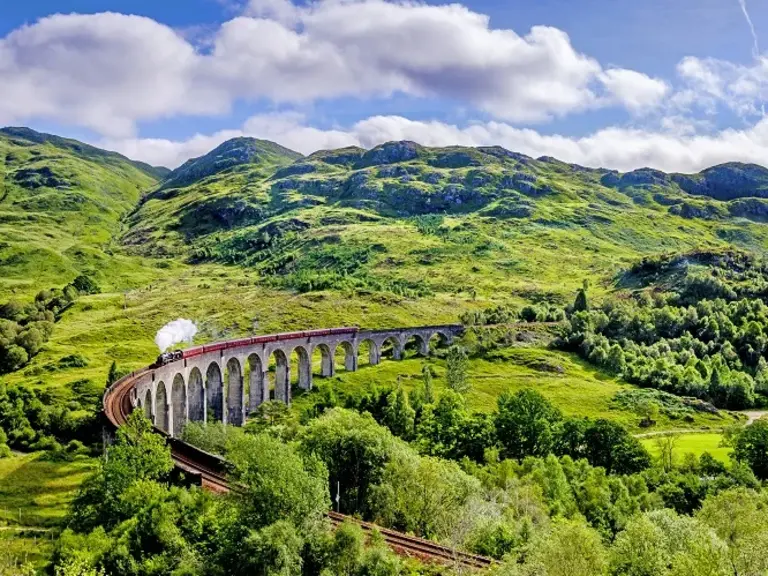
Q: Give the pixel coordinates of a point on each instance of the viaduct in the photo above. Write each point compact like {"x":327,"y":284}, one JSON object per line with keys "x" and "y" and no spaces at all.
{"x":228,"y":380}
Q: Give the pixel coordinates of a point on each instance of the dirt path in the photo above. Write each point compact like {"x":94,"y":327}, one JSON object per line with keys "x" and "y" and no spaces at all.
{"x":674,"y":431}
{"x":753,"y":415}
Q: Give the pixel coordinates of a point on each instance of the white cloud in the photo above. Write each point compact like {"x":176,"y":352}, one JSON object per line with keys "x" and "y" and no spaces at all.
{"x":636,"y":91}
{"x":677,"y":148}
{"x":103,"y":71}
{"x":109,"y":71}
{"x":709,"y":83}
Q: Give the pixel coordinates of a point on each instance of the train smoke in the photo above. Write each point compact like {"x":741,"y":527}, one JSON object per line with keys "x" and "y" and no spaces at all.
{"x":175,"y":332}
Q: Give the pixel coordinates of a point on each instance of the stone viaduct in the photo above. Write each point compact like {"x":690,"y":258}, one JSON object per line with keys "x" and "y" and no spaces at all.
{"x":227,"y":381}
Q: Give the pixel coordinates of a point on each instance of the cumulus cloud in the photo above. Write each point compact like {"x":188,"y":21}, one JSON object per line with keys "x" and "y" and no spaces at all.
{"x":109,"y":71}
{"x":710,"y":83}
{"x":103,"y":71}
{"x":677,"y":146}
{"x":636,"y":91}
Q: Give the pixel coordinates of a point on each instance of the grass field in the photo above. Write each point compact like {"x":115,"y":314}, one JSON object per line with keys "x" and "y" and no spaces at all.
{"x":571,"y":384}
{"x":695,"y":444}
{"x":36,"y":493}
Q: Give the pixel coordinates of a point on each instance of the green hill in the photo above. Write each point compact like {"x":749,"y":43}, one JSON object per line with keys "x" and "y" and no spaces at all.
{"x":61,"y":203}
{"x":417,"y":221}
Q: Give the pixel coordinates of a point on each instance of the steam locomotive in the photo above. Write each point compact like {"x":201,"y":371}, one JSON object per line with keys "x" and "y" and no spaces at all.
{"x":167,"y":357}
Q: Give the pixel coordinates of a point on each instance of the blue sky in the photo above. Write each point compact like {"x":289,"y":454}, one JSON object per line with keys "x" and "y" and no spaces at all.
{"x":673,"y":84}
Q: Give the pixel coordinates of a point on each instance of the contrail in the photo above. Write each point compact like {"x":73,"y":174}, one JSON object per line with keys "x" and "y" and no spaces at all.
{"x":755,"y":43}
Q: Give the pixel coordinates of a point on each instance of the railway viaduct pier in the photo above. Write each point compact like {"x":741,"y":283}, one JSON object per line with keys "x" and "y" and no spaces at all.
{"x":228,"y":380}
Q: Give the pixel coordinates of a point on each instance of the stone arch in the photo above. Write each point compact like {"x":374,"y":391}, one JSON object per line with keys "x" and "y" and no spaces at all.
{"x":349,"y":354}
{"x":256,"y":390}
{"x":161,"y":407}
{"x":438,"y":339}
{"x":178,"y":404}
{"x":214,"y":393}
{"x":415,"y":342}
{"x":304,"y":365}
{"x":196,"y":396}
{"x":234,"y":392}
{"x":282,"y":377}
{"x":148,"y":405}
{"x":370,"y":350}
{"x":391,"y":347}
{"x":327,"y":368}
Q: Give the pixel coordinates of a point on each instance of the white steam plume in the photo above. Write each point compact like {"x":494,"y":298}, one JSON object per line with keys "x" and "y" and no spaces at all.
{"x":175,"y":332}
{"x":755,"y":43}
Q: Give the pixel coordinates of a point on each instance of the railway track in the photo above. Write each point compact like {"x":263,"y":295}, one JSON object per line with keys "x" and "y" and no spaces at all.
{"x":211,"y":472}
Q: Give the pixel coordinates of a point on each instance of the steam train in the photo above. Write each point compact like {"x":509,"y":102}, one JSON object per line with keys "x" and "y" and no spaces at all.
{"x":175,"y":355}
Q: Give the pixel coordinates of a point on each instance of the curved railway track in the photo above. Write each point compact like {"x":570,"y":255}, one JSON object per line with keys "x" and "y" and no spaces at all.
{"x":211,"y":472}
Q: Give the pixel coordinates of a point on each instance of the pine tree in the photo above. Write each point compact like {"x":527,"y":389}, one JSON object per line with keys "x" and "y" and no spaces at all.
{"x":456,"y":366}
{"x":114,"y":374}
{"x":398,"y":415}
{"x":426,"y":376}
{"x":581,"y":303}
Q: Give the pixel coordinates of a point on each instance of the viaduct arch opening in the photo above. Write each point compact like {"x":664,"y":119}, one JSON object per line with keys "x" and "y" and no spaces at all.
{"x":282,"y":378}
{"x":213,"y":386}
{"x":234,"y":392}
{"x":303,"y":367}
{"x":148,"y":405}
{"x":326,"y":365}
{"x":196,"y":396}
{"x":257,"y":392}
{"x":345,"y":357}
{"x":161,"y":407}
{"x":179,"y":404}
{"x":368,"y":353}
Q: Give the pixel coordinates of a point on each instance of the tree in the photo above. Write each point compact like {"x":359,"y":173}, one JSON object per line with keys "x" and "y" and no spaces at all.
{"x":581,"y":304}
{"x":86,"y":285}
{"x":750,"y":445}
{"x":138,"y":454}
{"x":114,"y":373}
{"x":280,"y":483}
{"x":456,"y":369}
{"x":398,"y":414}
{"x":639,"y":550}
{"x":354,"y":448}
{"x":608,"y":444}
{"x":666,"y":445}
{"x":274,"y":550}
{"x":739,"y":518}
{"x":421,"y":494}
{"x":570,"y":548}
{"x":426,"y":377}
{"x":525,"y":423}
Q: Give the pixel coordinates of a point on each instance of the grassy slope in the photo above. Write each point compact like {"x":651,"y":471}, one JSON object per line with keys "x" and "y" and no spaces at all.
{"x":695,"y":444}
{"x":60,"y":209}
{"x":35,"y":493}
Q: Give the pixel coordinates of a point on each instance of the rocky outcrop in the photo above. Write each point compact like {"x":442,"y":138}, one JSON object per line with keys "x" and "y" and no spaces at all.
{"x":390,"y":153}
{"x":753,"y":208}
{"x":703,"y":211}
{"x":32,"y":178}
{"x":726,"y":181}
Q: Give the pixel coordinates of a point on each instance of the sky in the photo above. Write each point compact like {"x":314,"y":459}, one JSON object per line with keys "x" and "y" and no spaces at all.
{"x":677,"y":85}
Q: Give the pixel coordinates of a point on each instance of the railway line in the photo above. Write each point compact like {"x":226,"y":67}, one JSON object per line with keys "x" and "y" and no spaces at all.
{"x":210,"y":472}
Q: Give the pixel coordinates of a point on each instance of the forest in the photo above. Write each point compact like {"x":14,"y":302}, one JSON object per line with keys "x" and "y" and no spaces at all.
{"x":540,"y":493}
